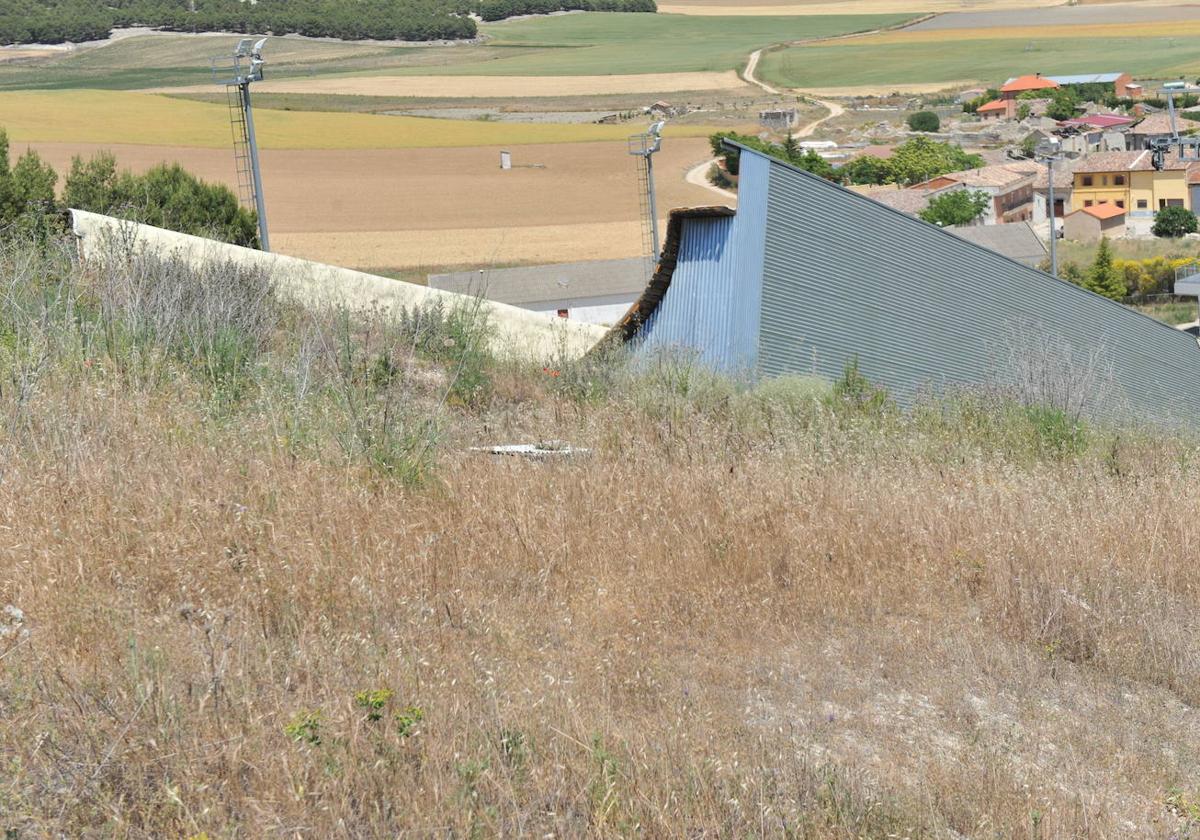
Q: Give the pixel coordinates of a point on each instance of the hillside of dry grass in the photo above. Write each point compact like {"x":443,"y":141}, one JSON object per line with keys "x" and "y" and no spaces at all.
{"x":254,"y":582}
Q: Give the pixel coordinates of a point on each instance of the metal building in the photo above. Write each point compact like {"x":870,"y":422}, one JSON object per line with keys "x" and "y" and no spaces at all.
{"x":807,"y":276}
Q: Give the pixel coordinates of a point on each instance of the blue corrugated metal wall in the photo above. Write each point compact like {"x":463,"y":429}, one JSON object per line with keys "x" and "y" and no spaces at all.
{"x":843,"y":277}
{"x":712,"y":307}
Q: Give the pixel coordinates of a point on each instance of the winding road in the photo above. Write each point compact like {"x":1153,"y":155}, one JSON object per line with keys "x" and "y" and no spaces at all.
{"x":698,"y":174}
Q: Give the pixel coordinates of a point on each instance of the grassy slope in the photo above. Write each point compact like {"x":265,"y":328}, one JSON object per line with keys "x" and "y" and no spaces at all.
{"x":985,"y":60}
{"x":744,"y":614}
{"x":119,"y":117}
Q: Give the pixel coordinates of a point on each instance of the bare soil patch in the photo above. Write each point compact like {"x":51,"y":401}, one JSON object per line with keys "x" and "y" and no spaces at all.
{"x":436,"y":206}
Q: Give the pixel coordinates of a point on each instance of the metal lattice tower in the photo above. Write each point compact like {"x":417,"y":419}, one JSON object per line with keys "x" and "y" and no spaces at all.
{"x":236,"y":72}
{"x":643,"y":147}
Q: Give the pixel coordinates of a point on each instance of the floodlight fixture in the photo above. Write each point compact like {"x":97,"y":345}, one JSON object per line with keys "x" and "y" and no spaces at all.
{"x":643,"y":146}
{"x":237,"y":72}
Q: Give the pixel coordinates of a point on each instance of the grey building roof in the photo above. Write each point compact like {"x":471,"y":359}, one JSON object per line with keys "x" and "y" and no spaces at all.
{"x":545,"y":284}
{"x":1086,"y":79}
{"x":1017,"y":241}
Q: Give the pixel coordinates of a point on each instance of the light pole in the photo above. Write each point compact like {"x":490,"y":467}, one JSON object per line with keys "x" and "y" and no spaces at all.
{"x":247,"y":67}
{"x":644,"y":146}
{"x":1048,"y":153}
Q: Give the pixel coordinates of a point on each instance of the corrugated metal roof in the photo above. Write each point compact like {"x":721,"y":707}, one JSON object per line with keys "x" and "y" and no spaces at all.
{"x":1087,"y":79}
{"x":843,"y":278}
{"x":537,"y":284}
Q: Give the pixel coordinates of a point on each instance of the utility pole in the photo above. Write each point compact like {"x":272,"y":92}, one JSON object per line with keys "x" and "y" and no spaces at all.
{"x":1048,"y":152}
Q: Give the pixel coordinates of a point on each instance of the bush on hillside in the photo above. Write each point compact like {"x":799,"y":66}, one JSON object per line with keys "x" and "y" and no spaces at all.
{"x":1174,"y":222}
{"x":166,"y":196}
{"x":926,"y":121}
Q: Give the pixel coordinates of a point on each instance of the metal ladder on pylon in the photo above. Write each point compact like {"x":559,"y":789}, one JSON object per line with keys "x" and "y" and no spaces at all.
{"x":241,"y":146}
{"x":639,"y":145}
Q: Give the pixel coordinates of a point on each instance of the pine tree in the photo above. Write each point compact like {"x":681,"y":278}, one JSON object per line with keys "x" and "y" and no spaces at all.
{"x":1104,"y":278}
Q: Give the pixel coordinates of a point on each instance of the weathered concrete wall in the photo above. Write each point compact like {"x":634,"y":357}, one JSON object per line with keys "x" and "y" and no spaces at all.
{"x":517,"y":333}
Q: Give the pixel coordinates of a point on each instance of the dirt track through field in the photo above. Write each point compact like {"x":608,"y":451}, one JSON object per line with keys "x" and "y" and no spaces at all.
{"x":421,"y":206}
{"x":492,"y":86}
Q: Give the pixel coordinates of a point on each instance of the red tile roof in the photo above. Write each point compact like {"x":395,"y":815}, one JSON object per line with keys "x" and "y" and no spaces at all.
{"x":1023,"y":83}
{"x":1100,"y":120}
{"x":994,"y":105}
{"x":1104,"y":210}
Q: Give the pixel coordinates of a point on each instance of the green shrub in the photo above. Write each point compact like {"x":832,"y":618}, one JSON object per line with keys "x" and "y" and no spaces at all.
{"x":926,"y":121}
{"x":1173,"y":222}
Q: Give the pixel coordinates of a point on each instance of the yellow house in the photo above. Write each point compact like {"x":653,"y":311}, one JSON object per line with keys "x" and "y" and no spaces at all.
{"x":1130,"y":181}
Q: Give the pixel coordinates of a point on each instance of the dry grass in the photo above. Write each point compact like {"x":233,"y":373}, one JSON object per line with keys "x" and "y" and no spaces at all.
{"x":495,"y":86}
{"x":745,"y":614}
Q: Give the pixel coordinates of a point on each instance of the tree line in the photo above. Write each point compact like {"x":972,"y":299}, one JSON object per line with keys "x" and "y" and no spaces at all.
{"x":500,"y":9}
{"x":57,"y":21}
{"x":166,"y":196}
{"x":913,"y":161}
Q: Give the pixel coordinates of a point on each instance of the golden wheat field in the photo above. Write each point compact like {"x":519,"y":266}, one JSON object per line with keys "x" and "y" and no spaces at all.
{"x":95,"y":116}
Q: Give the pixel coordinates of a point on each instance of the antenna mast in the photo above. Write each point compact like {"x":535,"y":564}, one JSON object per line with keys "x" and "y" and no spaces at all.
{"x":236,"y":73}
{"x":643,"y":147}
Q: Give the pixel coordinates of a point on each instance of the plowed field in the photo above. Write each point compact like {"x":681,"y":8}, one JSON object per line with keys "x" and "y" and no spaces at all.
{"x":398,"y":208}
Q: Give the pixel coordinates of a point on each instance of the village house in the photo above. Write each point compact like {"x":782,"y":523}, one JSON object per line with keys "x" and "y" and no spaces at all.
{"x":1006,"y":106}
{"x":1129,"y":181}
{"x":1008,"y":185}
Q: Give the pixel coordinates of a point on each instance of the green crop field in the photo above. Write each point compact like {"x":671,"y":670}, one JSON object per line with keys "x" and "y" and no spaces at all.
{"x":599,"y":44}
{"x":848,"y":64}
{"x":578,"y":44}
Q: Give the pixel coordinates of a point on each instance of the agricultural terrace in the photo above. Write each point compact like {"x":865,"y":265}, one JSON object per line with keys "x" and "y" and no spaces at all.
{"x":930,"y":56}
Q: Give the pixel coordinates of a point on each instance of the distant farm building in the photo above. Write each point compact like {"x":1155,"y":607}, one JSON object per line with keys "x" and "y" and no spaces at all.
{"x":596,"y":292}
{"x":778,"y":119}
{"x":807,"y":277}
